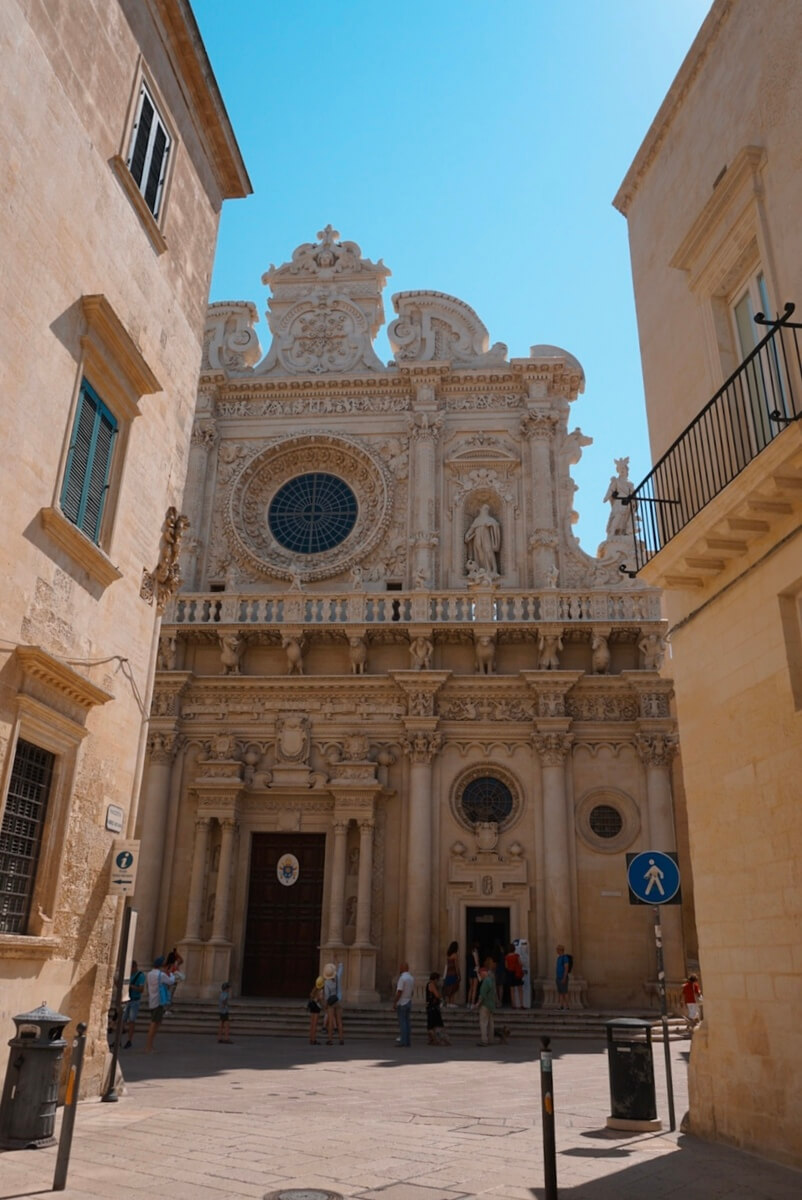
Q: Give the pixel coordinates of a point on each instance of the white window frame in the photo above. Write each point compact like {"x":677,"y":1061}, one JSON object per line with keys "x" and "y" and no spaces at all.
{"x":158,"y":123}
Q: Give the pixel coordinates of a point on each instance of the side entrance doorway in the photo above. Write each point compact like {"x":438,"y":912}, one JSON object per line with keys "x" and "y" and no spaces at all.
{"x":282,"y":930}
{"x":489,"y":928}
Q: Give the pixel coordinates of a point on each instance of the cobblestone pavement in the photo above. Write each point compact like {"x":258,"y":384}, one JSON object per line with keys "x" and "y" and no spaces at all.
{"x":380,"y":1122}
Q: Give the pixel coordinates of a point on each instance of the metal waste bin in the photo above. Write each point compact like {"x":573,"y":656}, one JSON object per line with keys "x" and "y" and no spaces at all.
{"x":631,"y":1066}
{"x":30,"y":1093}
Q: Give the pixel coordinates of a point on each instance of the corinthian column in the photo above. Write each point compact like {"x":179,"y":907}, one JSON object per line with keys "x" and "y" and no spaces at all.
{"x":421,"y":745}
{"x":538,"y":428}
{"x":425,"y":431}
{"x":198,"y":495}
{"x":657,"y":751}
{"x":337,"y":894}
{"x":553,"y":748}
{"x":222,"y":901}
{"x":197,"y":878}
{"x":162,"y":746}
{"x":364,"y":883}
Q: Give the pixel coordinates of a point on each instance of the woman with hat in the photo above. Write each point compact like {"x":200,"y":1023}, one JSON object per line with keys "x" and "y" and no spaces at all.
{"x":315,"y":1006}
{"x":332,"y":1000}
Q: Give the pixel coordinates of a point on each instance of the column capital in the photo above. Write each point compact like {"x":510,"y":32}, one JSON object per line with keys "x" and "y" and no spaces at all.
{"x":163,"y":744}
{"x":657,"y":749}
{"x":340,"y":825}
{"x":551,"y":689}
{"x":229,"y":822}
{"x":204,"y":433}
{"x":202,"y":821}
{"x":425,"y":426}
{"x":538,"y":426}
{"x":552,"y":747}
{"x":366,"y":826}
{"x":422,"y":744}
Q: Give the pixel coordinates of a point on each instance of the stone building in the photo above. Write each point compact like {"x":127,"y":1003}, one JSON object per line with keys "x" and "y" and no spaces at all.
{"x":712,"y":201}
{"x":117,"y":156}
{"x":396,"y":703}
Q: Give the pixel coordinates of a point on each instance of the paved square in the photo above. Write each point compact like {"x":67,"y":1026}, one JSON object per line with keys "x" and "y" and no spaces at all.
{"x":201,"y":1121}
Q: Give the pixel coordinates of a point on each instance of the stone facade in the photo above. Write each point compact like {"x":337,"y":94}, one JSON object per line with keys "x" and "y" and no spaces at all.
{"x":104,"y":291}
{"x":711,"y":202}
{"x":393,"y":678}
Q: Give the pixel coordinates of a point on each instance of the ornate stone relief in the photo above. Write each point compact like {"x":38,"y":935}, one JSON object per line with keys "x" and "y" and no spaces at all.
{"x":162,"y":583}
{"x":251,"y":542}
{"x":229,"y":341}
{"x":432,"y":326}
{"x":601,"y":705}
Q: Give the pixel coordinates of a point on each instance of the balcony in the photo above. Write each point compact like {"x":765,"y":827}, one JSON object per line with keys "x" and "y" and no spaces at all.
{"x":754,"y":407}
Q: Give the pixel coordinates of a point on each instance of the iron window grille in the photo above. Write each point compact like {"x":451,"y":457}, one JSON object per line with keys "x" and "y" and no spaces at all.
{"x":21,"y":833}
{"x":486,"y":799}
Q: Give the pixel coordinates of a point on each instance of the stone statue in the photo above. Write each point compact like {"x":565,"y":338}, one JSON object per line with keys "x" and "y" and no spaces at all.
{"x":600,"y":654}
{"x":231,"y":647}
{"x":549,"y":646}
{"x":357,"y":654}
{"x":357,"y":578}
{"x":652,"y":647}
{"x":168,"y":652}
{"x":622,"y":516}
{"x":485,"y":654}
{"x":420,"y":581}
{"x":294,"y":649}
{"x":162,"y":583}
{"x":484,"y":540}
{"x":552,"y":576}
{"x":420,"y":651}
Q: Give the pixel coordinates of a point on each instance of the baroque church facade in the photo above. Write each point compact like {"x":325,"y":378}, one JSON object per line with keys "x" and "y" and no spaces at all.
{"x":396,"y":703}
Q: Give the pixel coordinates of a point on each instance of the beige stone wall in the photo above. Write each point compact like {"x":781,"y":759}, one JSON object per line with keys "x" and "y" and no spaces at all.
{"x":69,"y":229}
{"x":696,"y":233}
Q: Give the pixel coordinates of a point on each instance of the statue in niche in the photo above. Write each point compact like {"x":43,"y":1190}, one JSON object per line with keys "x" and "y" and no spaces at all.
{"x":357,"y":578}
{"x":549,"y":646}
{"x":350,"y":911}
{"x":231,"y":647}
{"x":552,"y":576}
{"x":168,"y":652}
{"x":600,"y":654}
{"x":652,"y":647}
{"x":357,"y":654}
{"x":622,"y":517}
{"x":353,"y":860}
{"x":294,"y":649}
{"x":485,"y":654}
{"x":420,"y":651}
{"x":484,"y":540}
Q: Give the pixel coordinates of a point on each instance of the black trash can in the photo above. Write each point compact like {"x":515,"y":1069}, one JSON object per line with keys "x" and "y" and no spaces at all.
{"x":30,"y":1094}
{"x":629,"y":1059}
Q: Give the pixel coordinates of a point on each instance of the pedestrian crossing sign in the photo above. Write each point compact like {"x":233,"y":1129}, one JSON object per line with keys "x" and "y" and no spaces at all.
{"x":653,"y":878}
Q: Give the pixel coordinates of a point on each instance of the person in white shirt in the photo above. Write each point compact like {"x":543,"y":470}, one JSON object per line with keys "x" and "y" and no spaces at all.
{"x":403,"y":1004}
{"x":159,"y":983}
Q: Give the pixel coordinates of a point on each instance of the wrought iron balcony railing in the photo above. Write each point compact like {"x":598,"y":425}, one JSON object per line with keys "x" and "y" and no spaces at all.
{"x":747,"y":413}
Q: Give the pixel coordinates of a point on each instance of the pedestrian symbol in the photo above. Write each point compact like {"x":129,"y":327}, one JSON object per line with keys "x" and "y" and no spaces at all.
{"x":124,"y":860}
{"x":653,"y":877}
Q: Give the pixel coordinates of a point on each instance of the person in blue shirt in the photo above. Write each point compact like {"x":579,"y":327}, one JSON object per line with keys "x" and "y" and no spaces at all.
{"x":333,"y":1001}
{"x":563,"y":973}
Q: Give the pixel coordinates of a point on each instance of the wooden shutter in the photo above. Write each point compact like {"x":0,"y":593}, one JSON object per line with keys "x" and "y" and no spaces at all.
{"x":150,"y":148}
{"x":86,"y":479}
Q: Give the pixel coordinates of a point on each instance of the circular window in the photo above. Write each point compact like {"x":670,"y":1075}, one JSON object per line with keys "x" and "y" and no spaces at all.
{"x":605,"y":821}
{"x":486,"y":799}
{"x":312,"y":513}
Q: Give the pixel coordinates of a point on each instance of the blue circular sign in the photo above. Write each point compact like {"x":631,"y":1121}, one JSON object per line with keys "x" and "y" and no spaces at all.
{"x":653,"y":877}
{"x":124,"y":860}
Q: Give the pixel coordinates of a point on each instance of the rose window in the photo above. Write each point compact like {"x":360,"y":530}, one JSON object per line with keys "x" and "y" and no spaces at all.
{"x":486,"y":799}
{"x":312,"y":513}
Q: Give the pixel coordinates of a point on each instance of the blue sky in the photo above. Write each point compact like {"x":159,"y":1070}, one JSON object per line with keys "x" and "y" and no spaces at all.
{"x":476,"y":147}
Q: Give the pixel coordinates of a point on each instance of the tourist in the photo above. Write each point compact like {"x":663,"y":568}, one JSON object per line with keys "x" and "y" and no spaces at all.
{"x":333,"y":1001}
{"x":487,"y":1004}
{"x":315,"y":1007}
{"x":434,"y":1018}
{"x":224,"y":1030}
{"x":473,"y":975}
{"x":564,"y":966}
{"x":159,"y":983}
{"x":136,"y":986}
{"x":515,"y":976}
{"x":692,"y":996}
{"x":451,"y":974}
{"x":403,"y":1004}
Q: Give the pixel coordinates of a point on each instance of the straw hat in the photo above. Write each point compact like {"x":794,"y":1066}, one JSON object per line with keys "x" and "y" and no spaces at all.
{"x":319,"y":981}
{"x":329,"y":971}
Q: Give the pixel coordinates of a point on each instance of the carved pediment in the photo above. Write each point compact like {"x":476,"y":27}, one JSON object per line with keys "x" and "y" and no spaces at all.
{"x":432,"y":326}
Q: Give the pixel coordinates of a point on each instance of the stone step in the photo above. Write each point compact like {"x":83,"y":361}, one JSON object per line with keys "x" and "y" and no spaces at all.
{"x":292,"y":1020}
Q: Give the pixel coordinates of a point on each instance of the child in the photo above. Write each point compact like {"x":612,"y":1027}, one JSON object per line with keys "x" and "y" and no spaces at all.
{"x":315,"y":1006}
{"x":692,"y":996}
{"x":225,"y":1028}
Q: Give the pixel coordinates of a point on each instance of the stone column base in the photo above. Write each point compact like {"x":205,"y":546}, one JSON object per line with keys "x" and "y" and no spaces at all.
{"x":191,"y":950}
{"x":577,"y":993}
{"x":360,"y":987}
{"x":215,"y":968}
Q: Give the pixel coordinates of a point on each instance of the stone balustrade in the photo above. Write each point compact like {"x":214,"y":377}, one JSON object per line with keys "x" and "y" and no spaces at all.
{"x":424,"y":607}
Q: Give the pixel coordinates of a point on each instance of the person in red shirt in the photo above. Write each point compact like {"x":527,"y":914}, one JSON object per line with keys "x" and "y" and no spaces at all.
{"x":692,"y":996}
{"x":515,"y":976}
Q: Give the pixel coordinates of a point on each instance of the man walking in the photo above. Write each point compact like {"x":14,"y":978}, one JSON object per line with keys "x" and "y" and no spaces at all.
{"x":403,"y":1004}
{"x":487,"y":1006}
{"x":158,"y":984}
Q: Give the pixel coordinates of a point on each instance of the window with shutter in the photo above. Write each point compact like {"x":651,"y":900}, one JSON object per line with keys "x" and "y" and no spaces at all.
{"x":86,"y":478}
{"x":149,"y":151}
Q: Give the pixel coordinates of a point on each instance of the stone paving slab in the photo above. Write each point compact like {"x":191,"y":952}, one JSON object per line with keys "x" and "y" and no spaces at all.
{"x":201,"y":1121}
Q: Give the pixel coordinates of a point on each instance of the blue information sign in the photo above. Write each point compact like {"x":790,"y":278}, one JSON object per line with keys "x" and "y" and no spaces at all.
{"x":653,"y":876}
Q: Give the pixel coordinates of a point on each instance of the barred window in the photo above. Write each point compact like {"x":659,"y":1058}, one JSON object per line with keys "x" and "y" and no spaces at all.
{"x":606,"y":821}
{"x":486,"y":799}
{"x":312,"y":513}
{"x":21,"y":833}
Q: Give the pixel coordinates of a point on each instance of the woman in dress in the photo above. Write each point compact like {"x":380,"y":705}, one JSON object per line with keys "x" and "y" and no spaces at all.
{"x":452,"y":975}
{"x":515,"y":976}
{"x":434,"y":1018}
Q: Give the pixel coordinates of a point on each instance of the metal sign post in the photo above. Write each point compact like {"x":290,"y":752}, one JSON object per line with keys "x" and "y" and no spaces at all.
{"x":110,"y":1095}
{"x":547,"y":1112}
{"x":70,"y":1101}
{"x":654,"y":878}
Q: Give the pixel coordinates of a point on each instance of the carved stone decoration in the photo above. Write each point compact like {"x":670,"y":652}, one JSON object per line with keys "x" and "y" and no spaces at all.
{"x":658,"y":749}
{"x":652,"y":647}
{"x":486,"y":835}
{"x":432,"y":326}
{"x":485,"y":654}
{"x":168,"y":652}
{"x":420,"y":653}
{"x":358,"y":654}
{"x":552,"y":748}
{"x":232,"y":645}
{"x":230,"y":342}
{"x":356,"y":747}
{"x":325,"y":309}
{"x":487,"y":885}
{"x":600,"y":706}
{"x":422,"y":745}
{"x":600,"y":654}
{"x":421,"y":704}
{"x":294,"y":649}
{"x":204,"y":433}
{"x":483,"y":539}
{"x":252,"y":544}
{"x":293,"y":734}
{"x":549,"y":648}
{"x":162,"y":746}
{"x":162,"y":583}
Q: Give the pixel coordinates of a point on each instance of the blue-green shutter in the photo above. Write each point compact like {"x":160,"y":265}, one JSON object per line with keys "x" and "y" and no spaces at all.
{"x":86,"y":478}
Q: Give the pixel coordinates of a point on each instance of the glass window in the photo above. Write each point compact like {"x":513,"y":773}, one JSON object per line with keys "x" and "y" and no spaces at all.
{"x":312,"y":513}
{"x":21,"y":833}
{"x":486,"y":799}
{"x":606,"y":821}
{"x":86,"y":479}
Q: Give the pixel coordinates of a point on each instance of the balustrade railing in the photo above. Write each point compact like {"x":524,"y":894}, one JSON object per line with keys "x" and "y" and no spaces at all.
{"x":435,"y":608}
{"x":748,"y":412}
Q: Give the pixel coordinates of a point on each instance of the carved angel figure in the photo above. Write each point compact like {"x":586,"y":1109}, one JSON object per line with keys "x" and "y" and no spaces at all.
{"x":231,"y":647}
{"x":549,"y":646}
{"x":622,"y":516}
{"x":294,"y":649}
{"x":420,"y":651}
{"x":357,"y":654}
{"x":485,"y":655}
{"x":484,"y":540}
{"x":652,"y":647}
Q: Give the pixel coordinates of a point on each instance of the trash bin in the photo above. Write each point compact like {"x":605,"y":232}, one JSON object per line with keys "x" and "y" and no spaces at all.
{"x":631,"y":1067}
{"x":30,"y":1093}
